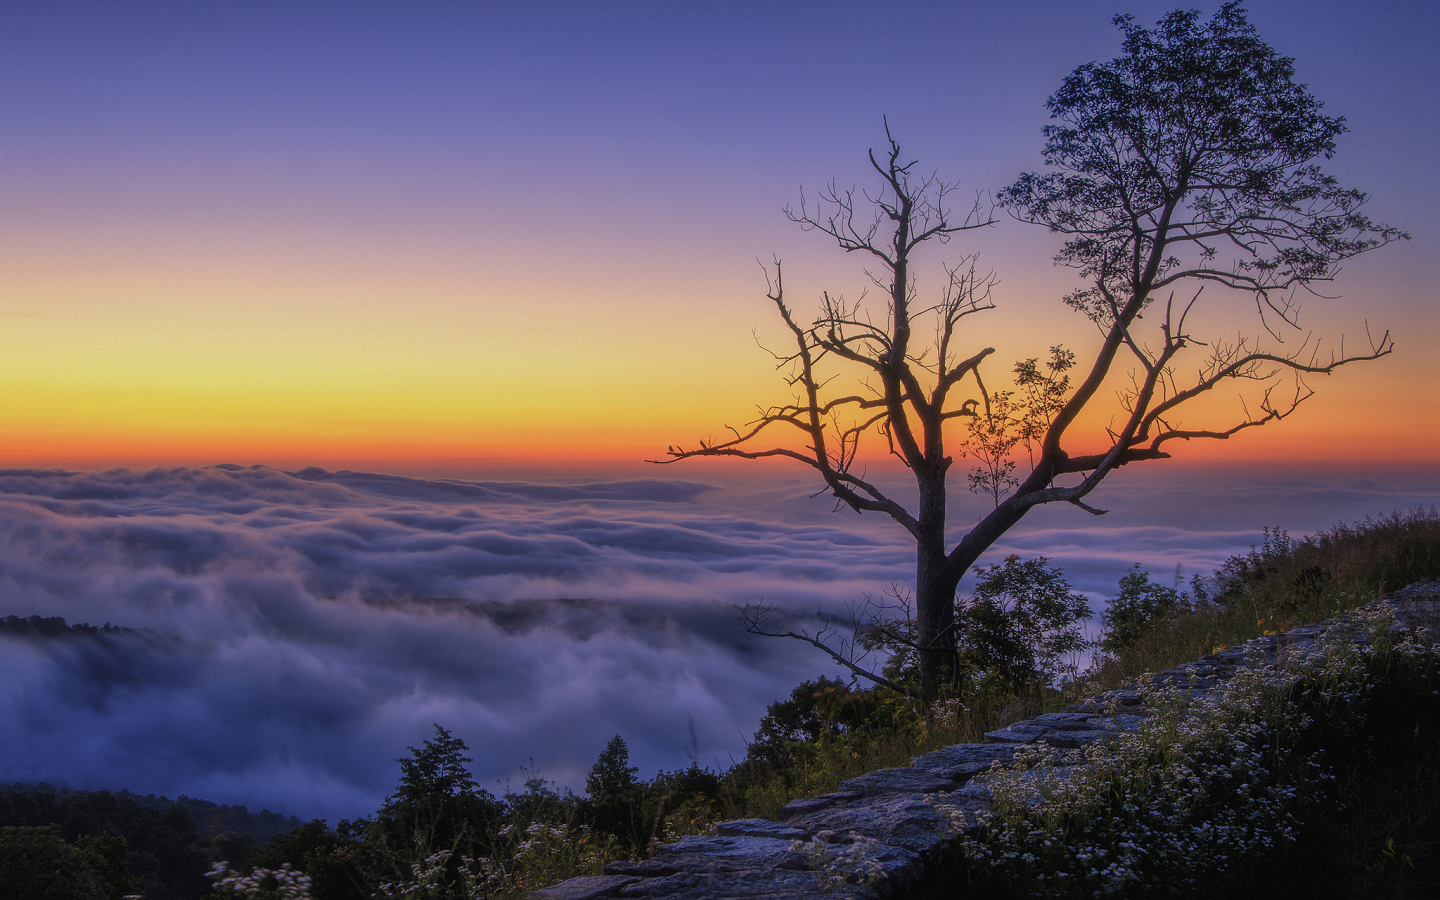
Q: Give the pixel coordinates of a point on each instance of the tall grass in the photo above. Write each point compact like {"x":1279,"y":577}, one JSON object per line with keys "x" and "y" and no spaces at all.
{"x":1283,"y":583}
{"x":761,"y":791}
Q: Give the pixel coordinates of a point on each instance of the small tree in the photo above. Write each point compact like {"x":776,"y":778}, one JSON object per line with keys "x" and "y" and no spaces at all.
{"x":1141,"y":606}
{"x":1022,"y":624}
{"x":436,"y":806}
{"x":1186,"y":163}
{"x":612,"y":775}
{"x":615,"y":801}
{"x":436,"y":773}
{"x":816,"y":708}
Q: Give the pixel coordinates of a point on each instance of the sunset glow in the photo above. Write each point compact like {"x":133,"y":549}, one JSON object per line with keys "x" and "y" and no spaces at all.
{"x":474,"y":234}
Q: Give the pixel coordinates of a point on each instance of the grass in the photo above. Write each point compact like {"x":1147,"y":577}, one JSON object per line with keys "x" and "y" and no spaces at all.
{"x":1372,"y":828}
{"x":820,"y":767}
{"x":1282,"y":584}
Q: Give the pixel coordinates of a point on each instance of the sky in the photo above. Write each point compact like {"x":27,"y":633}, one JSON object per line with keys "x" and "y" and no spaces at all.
{"x":334,"y":337}
{"x":448,"y":238}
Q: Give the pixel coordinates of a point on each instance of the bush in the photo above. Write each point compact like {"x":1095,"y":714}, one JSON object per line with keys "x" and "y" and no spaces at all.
{"x":1142,"y":607}
{"x":1208,"y":792}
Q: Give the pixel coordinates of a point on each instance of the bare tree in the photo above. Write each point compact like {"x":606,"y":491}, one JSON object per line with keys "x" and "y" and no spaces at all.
{"x":1187,"y":160}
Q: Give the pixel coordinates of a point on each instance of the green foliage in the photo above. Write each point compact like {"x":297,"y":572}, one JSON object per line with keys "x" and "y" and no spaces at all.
{"x":1280,"y":583}
{"x":167,"y":856}
{"x":815,"y":709}
{"x":436,"y":773}
{"x":1022,"y":624}
{"x":1141,"y":607}
{"x":1377,"y":554}
{"x":1196,"y":133}
{"x":108,"y":855}
{"x":1042,"y":394}
{"x":1009,"y":421}
{"x":1235,"y":793}
{"x":615,"y":802}
{"x":436,"y":807}
{"x":331,"y":859}
{"x":37,"y":864}
{"x":993,"y":435}
{"x":612,"y":775}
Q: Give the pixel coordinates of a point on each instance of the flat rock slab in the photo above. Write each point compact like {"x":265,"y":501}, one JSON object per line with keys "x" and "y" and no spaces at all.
{"x":645,"y":868}
{"x":1120,"y":722}
{"x":903,"y":780}
{"x":1016,"y":735}
{"x":696,"y":855}
{"x":760,"y":828}
{"x":1061,"y":721}
{"x":1122,"y":697}
{"x":963,"y":761}
{"x":586,"y":887}
{"x":779,"y":885}
{"x":905,"y":821}
{"x":815,"y":804}
{"x":1070,"y":740}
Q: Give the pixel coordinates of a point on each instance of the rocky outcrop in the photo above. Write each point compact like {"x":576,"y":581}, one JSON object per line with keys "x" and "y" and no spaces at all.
{"x":889,"y":833}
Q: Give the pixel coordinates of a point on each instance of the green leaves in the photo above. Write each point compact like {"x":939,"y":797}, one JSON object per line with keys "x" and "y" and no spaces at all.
{"x":1022,"y":624}
{"x":612,"y":775}
{"x":1193,"y":141}
{"x":1141,"y":607}
{"x":436,"y":772}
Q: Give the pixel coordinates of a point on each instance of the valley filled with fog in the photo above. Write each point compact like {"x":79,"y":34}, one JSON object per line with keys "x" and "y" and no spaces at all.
{"x":290,"y":634}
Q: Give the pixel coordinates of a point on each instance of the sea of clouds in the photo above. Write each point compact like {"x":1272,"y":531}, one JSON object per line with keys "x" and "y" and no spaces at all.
{"x":295,"y":632}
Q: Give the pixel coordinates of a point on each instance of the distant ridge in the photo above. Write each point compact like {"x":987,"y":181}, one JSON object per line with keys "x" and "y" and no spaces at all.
{"x":211,"y":818}
{"x":54,"y":626}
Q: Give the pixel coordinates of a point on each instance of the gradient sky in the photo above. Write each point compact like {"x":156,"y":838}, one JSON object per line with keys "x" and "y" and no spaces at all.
{"x":458,"y":237}
{"x":516,"y":242}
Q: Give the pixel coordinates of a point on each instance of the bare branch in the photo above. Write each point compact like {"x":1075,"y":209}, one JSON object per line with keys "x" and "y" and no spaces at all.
{"x":756,"y":617}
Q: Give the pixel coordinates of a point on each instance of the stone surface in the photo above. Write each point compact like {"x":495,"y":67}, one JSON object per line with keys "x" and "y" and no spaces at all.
{"x":735,"y":853}
{"x":586,"y":887}
{"x":804,"y":805}
{"x":760,"y":828}
{"x":1068,"y":739}
{"x":891,"y":781}
{"x":907,"y":821}
{"x":773,"y":885}
{"x":963,"y":761}
{"x":647,"y":868}
{"x":903,"y":818}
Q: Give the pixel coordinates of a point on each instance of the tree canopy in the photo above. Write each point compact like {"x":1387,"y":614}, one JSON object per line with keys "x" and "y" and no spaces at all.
{"x":1186,"y":164}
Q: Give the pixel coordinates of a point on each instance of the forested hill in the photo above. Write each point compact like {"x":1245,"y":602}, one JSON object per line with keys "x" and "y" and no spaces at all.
{"x":210,"y":818}
{"x":169,"y":843}
{"x":54,"y":626}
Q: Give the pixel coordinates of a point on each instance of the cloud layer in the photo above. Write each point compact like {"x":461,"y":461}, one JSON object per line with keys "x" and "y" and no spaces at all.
{"x":295,"y":632}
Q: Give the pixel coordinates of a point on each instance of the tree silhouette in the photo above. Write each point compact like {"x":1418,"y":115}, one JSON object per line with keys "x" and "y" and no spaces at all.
{"x":435,"y":773}
{"x":615,"y":798}
{"x":1188,"y":162}
{"x":436,"y":806}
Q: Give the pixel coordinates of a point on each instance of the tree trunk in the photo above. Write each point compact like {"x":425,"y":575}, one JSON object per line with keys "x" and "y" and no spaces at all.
{"x":934,"y":589}
{"x":935,"y":622}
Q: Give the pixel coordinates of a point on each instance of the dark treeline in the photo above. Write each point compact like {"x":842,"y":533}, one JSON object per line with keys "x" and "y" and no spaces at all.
{"x":439,"y":834}
{"x":54,"y":626}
